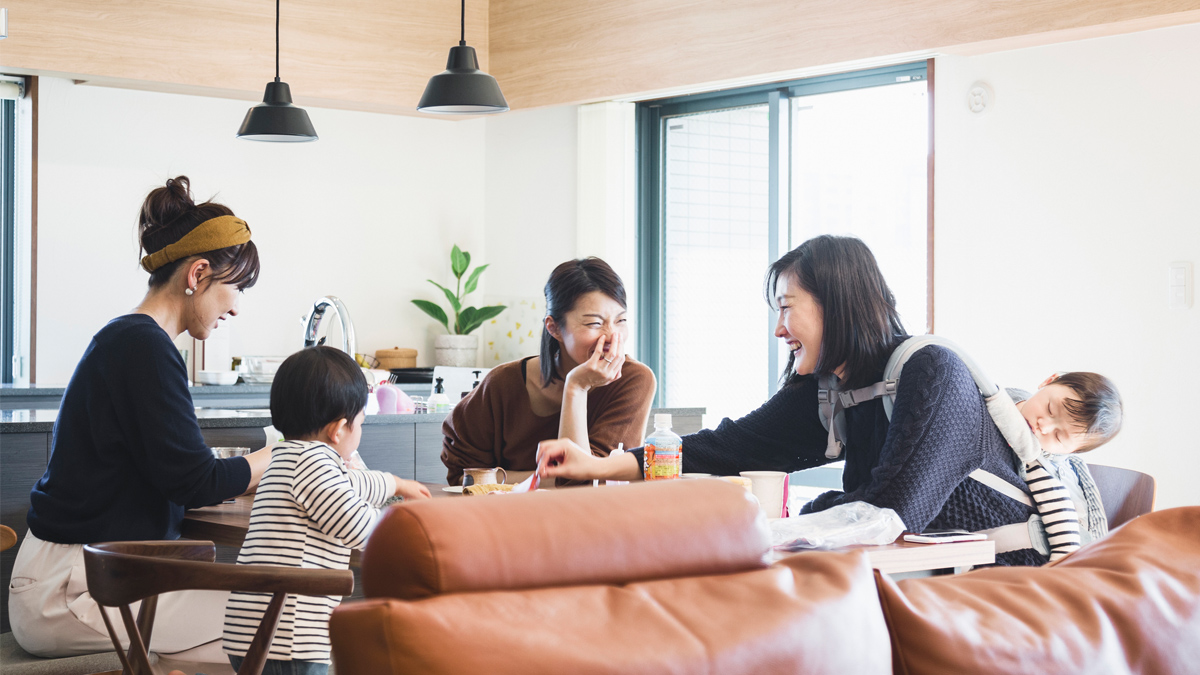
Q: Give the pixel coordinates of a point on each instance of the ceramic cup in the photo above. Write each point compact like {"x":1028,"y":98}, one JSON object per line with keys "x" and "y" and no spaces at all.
{"x":738,"y":480}
{"x":482,"y":476}
{"x":771,"y":489}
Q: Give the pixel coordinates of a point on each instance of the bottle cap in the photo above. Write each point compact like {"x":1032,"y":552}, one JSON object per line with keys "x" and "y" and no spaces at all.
{"x":662,"y":419}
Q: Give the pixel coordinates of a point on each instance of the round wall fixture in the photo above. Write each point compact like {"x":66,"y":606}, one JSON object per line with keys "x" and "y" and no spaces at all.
{"x":980,"y":97}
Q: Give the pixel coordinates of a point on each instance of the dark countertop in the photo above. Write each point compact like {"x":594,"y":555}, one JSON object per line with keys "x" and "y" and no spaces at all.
{"x":42,"y":421}
{"x":21,"y":390}
{"x":233,"y":396}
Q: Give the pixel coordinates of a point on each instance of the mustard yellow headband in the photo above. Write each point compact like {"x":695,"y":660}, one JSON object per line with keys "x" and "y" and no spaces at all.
{"x":212,"y":234}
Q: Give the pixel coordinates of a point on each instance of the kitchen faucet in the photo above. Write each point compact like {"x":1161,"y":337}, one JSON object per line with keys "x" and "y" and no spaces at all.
{"x":312,"y":321}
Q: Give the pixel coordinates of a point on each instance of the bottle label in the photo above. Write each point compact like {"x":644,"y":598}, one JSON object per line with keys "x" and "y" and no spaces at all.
{"x":663,"y":462}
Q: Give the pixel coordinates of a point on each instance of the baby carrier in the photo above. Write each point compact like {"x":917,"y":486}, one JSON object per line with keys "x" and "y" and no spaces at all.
{"x":1055,"y":527}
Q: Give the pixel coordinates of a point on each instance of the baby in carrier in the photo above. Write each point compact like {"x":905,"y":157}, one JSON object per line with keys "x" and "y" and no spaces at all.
{"x":1071,"y":413}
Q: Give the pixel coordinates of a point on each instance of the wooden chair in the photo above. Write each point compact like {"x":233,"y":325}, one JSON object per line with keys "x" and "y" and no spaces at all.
{"x":8,"y":537}
{"x":1126,"y":493}
{"x":121,"y":573}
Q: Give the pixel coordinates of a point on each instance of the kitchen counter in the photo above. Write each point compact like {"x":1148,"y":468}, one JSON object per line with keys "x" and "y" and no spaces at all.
{"x":44,"y":397}
{"x":38,"y":420}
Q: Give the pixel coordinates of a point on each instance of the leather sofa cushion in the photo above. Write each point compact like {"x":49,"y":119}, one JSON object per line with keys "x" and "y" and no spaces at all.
{"x":812,"y":613}
{"x":1127,"y":603}
{"x":564,"y":537}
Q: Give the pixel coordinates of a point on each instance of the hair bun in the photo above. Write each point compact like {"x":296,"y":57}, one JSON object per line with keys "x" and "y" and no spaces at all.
{"x":162,"y":208}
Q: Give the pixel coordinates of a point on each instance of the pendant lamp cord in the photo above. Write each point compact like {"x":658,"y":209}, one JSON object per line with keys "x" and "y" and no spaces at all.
{"x":277,"y":39}
{"x":462,"y":25}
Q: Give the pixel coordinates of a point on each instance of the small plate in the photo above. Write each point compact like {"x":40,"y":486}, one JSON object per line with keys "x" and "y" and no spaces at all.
{"x":452,"y":488}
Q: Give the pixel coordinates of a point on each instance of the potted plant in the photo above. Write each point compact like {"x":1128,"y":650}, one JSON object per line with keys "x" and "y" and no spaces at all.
{"x":459,"y":347}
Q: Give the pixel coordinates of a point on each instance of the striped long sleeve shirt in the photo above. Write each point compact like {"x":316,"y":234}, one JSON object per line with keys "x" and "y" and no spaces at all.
{"x":309,"y":512}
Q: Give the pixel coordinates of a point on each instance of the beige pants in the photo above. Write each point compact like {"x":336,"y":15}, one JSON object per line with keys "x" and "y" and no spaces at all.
{"x":53,"y":615}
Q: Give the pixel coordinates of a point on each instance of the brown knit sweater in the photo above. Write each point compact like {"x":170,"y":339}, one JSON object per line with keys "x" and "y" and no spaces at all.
{"x":495,"y":425}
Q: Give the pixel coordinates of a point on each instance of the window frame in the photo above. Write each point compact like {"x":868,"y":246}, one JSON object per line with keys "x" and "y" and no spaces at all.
{"x":8,"y":236}
{"x":651,"y":117}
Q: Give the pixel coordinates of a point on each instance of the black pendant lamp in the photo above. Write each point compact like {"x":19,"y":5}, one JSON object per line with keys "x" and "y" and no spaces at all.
{"x":462,"y":88}
{"x":276,"y":119}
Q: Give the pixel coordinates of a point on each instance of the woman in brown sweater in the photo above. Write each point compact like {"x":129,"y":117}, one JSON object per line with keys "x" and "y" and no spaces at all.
{"x":581,"y":386}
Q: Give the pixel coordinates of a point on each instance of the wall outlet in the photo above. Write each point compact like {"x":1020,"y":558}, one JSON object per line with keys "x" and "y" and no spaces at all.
{"x":1179,"y":285}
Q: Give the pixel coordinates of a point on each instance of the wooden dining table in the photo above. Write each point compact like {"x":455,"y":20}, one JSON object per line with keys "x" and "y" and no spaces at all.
{"x":226,"y":525}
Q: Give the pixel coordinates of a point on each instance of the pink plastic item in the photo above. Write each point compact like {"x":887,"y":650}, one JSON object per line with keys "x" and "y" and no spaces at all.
{"x":386,"y":394}
{"x":404,"y":403}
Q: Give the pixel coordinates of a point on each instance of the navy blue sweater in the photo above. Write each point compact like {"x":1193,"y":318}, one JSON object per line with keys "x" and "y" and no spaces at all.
{"x":127,"y":456}
{"x":917,"y":465}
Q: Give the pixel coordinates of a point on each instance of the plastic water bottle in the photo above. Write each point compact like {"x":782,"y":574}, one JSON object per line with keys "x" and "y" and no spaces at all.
{"x":664,"y":451}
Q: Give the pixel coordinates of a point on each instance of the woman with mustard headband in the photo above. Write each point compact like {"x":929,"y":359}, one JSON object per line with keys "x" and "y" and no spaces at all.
{"x":127,"y":456}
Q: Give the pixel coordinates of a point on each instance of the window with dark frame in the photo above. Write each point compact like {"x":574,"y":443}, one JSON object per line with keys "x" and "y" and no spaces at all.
{"x":8,"y":237}
{"x":728,"y":181}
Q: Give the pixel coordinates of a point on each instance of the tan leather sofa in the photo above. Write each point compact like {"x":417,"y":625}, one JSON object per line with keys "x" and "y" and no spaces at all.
{"x":670,"y":578}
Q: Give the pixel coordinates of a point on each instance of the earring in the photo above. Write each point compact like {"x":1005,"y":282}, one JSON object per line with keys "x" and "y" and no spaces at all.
{"x":188,"y":291}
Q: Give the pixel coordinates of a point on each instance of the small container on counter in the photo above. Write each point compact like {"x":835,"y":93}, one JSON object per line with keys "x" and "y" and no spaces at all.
{"x":396,"y":357}
{"x":438,"y":401}
{"x":419,"y":405}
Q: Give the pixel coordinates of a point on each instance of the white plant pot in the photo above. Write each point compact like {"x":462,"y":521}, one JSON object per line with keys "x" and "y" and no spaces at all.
{"x":456,"y":350}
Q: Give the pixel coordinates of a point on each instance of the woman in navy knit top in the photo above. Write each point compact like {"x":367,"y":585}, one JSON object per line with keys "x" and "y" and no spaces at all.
{"x":838,"y":317}
{"x":127,"y":456}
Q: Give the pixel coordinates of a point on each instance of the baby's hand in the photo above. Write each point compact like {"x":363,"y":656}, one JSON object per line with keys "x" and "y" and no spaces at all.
{"x":410,"y":489}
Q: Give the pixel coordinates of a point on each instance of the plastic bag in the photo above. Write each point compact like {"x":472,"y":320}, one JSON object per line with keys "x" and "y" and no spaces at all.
{"x":842,"y":525}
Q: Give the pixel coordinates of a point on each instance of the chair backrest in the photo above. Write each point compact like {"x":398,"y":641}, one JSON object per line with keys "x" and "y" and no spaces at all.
{"x":7,"y":537}
{"x":1126,"y":493}
{"x":121,"y":573}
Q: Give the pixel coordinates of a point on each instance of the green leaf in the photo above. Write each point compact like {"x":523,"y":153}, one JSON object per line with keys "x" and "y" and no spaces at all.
{"x":479,"y":316}
{"x":449,"y":296}
{"x":459,"y":261}
{"x":433,"y":311}
{"x":473,"y":280}
{"x":465,"y":318}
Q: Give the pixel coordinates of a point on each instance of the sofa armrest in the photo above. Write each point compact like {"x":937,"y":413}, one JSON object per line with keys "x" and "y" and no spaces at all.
{"x":564,"y":537}
{"x":1127,"y":603}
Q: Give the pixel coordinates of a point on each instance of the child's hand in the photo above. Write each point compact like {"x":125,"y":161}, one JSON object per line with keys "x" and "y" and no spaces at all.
{"x":410,"y":489}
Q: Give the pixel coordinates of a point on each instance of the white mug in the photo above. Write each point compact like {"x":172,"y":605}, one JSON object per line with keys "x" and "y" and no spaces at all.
{"x":771,"y":490}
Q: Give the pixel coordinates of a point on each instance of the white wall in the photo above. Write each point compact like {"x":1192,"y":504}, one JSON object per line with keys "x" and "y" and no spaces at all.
{"x":530,"y":160}
{"x":367,"y":213}
{"x":530,"y":168}
{"x":1057,"y":213}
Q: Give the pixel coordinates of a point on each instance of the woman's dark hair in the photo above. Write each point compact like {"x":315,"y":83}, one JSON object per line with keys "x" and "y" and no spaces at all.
{"x":313,"y":387}
{"x":169,"y":213}
{"x":862,"y":325}
{"x":1096,"y":406}
{"x":567,"y":282}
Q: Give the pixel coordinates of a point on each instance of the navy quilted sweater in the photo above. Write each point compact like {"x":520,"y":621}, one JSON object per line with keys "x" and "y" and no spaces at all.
{"x":917,"y":465}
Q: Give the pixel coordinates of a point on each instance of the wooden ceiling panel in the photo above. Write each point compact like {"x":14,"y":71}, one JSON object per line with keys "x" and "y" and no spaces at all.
{"x":366,"y":54}
{"x":549,"y":52}
{"x":378,"y":54}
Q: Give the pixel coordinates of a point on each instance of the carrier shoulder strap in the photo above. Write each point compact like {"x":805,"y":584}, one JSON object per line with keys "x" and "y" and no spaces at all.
{"x":832,"y":402}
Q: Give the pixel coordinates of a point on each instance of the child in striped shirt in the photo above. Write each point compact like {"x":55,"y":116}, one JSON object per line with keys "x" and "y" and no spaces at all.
{"x":1070,"y":413}
{"x":310,"y":509}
